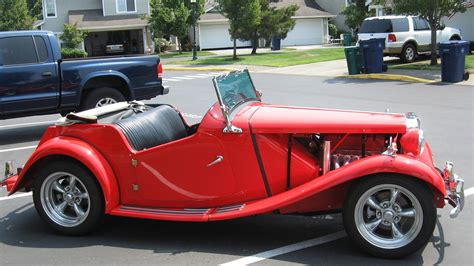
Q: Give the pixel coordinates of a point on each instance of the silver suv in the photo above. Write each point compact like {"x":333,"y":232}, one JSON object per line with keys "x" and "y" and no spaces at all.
{"x":405,"y":36}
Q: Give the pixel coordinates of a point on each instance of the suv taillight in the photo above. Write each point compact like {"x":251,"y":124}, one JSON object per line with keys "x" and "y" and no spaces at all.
{"x":159,"y":70}
{"x":392,"y":38}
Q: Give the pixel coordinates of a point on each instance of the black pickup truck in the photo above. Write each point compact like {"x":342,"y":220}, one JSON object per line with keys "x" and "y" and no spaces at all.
{"x":35,"y":80}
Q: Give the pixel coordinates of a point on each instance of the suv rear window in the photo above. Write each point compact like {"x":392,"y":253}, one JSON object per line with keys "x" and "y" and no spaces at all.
{"x":384,"y":25}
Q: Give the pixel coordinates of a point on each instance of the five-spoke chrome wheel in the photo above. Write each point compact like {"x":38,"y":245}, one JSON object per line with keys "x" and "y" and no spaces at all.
{"x":68,"y":197}
{"x":65,"y":199}
{"x":388,"y":216}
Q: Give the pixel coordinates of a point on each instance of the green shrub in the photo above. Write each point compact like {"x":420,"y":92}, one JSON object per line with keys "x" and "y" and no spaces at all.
{"x":333,"y":30}
{"x":72,"y":53}
{"x":161,"y":45}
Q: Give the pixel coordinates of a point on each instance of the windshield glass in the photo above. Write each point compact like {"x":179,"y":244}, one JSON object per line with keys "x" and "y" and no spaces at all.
{"x":234,"y":89}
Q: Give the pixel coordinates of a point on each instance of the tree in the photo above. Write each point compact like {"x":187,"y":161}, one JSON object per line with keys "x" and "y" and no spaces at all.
{"x":355,"y":14}
{"x":251,"y":20}
{"x":172,"y":17}
{"x":72,"y":36}
{"x":432,"y":11}
{"x":14,"y":15}
{"x":244,"y":18}
{"x":35,"y":9}
{"x":274,"y":22}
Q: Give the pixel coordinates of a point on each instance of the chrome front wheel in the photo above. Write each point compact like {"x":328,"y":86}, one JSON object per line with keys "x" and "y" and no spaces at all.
{"x":389,"y":215}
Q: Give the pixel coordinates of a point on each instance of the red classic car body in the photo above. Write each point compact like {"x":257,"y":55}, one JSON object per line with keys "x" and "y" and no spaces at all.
{"x":271,"y":165}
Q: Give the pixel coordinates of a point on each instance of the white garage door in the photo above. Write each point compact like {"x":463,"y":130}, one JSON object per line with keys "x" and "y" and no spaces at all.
{"x":214,"y":36}
{"x":306,"y":32}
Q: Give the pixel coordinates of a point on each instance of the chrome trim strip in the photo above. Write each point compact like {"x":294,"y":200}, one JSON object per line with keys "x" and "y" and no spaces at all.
{"x":197,"y":212}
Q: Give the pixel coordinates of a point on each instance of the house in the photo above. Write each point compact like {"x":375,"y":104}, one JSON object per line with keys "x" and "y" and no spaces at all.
{"x":109,"y":22}
{"x":336,"y":7}
{"x":463,"y":21}
{"x":311,"y":26}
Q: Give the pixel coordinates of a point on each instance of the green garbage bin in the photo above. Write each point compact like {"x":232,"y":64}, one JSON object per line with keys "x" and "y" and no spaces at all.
{"x":347,"y":39}
{"x":354,"y":59}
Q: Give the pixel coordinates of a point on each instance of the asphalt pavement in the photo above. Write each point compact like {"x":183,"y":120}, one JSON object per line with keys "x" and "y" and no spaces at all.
{"x":446,"y":113}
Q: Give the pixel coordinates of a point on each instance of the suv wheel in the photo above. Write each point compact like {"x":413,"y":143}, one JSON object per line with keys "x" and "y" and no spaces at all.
{"x":408,"y":53}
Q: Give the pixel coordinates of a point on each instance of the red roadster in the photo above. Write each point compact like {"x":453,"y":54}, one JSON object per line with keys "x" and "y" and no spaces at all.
{"x":245,"y":158}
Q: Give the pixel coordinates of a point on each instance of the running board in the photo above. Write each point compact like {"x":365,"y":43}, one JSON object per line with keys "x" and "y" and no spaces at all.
{"x":187,"y":215}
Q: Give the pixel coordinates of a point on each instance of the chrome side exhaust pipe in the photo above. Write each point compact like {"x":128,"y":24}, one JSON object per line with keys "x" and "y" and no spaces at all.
{"x":326,"y":162}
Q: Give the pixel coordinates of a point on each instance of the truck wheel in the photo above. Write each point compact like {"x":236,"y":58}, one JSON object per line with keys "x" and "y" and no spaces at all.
{"x":68,"y":198}
{"x":408,"y":53}
{"x":389,"y":216}
{"x":101,"y":97}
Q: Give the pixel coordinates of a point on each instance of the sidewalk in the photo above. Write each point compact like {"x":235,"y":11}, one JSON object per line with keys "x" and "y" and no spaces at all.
{"x":336,"y":68}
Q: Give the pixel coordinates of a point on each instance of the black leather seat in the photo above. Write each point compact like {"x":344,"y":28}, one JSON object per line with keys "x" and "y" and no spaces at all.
{"x":160,"y":125}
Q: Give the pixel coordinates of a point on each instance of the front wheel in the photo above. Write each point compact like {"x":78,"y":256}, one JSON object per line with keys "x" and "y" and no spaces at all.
{"x":68,"y":197}
{"x":389,"y":216}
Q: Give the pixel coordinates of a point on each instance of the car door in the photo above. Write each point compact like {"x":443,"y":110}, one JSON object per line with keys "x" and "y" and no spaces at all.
{"x":422,"y":34}
{"x":193,"y":172}
{"x":28,"y":75}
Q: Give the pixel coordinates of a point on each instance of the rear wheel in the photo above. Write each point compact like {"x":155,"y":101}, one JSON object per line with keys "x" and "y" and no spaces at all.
{"x":408,"y":53}
{"x":389,"y":216}
{"x":68,"y":198}
{"x":100,"y":97}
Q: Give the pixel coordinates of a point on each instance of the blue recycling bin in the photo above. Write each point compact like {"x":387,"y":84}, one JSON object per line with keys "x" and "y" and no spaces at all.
{"x":373,"y":55}
{"x":453,"y":57}
{"x":276,"y":43}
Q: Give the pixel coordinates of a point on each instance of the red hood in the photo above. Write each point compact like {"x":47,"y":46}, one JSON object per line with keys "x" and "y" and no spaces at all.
{"x":285,"y":119}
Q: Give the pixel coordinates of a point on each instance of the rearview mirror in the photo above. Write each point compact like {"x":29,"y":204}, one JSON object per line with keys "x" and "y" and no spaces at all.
{"x":442,"y":26}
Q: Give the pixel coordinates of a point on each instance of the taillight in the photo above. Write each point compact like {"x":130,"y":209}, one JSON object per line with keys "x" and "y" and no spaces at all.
{"x":392,"y":38}
{"x":159,"y":70}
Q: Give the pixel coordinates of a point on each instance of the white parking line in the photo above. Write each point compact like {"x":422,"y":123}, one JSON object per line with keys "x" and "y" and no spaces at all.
{"x":28,"y":124}
{"x":167,"y":79}
{"x":287,"y":249}
{"x":192,"y":116}
{"x":19,"y":149}
{"x":468,"y":192}
{"x":196,"y":77}
{"x":20,"y":195}
{"x":182,"y":78}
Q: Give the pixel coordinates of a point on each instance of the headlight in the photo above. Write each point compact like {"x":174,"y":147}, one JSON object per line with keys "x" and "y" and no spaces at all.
{"x":412,"y":120}
{"x":413,"y":141}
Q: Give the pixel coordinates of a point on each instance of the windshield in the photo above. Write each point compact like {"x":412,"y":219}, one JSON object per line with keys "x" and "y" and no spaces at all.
{"x":234,"y":89}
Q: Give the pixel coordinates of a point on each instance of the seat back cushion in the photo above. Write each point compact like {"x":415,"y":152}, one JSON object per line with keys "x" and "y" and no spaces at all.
{"x":160,"y":125}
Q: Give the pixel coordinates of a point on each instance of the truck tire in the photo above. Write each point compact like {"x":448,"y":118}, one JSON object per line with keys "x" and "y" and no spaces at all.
{"x":408,"y":54}
{"x":100,"y":97}
{"x":389,"y":216}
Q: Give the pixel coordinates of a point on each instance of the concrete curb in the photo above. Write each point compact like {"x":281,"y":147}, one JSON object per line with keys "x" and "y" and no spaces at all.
{"x":198,"y":68}
{"x":389,"y":77}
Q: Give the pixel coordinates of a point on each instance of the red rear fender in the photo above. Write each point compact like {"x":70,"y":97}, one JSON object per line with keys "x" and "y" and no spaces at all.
{"x":82,"y":152}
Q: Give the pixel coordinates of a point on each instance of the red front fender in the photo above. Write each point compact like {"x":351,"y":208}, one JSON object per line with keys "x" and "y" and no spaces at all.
{"x":82,"y":152}
{"x":371,"y":165}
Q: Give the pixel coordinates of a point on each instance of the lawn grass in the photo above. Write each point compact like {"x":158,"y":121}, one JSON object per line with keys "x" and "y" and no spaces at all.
{"x":184,"y":54}
{"x":425,"y":65}
{"x":281,"y":58}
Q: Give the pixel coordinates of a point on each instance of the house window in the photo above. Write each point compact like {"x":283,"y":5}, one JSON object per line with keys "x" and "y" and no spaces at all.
{"x":50,"y":7}
{"x":124,"y":6}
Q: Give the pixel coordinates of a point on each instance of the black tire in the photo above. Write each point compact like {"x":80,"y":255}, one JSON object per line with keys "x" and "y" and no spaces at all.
{"x":401,"y":246}
{"x":95,"y":96}
{"x":408,"y":54}
{"x":93,"y":214}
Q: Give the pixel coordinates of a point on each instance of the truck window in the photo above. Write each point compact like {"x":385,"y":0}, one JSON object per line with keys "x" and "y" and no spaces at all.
{"x":400,"y":24}
{"x":18,"y":50}
{"x":41,"y":48}
{"x":376,"y":26}
{"x":420,"y":24}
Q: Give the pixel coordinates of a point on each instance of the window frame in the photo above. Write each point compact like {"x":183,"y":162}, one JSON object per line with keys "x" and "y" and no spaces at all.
{"x":126,"y":11}
{"x":46,"y":9}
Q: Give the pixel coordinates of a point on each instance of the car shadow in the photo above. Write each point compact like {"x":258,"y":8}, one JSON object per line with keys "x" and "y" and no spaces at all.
{"x":243,"y":237}
{"x":22,"y":134}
